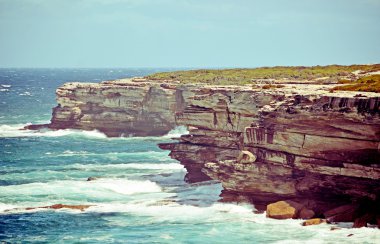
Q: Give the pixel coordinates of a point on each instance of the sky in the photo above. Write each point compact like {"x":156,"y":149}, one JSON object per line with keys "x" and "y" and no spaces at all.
{"x":188,"y":33}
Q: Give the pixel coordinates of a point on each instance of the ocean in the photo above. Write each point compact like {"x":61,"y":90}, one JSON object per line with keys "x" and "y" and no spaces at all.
{"x":139,"y":196}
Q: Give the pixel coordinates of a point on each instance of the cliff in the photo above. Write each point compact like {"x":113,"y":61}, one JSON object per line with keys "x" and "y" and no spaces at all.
{"x":283,"y":144}
{"x":116,"y":108}
{"x":296,"y":140}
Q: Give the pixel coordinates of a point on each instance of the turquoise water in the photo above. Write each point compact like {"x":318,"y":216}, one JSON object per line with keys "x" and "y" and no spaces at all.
{"x":139,"y":195}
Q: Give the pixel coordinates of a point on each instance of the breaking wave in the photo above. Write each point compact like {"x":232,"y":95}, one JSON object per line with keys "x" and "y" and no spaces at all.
{"x":17,"y":130}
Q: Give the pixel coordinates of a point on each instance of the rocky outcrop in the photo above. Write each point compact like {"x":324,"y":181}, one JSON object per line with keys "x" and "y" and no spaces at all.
{"x":117,"y":108}
{"x":55,"y":206}
{"x":315,"y":221}
{"x":299,"y":142}
{"x":303,"y":142}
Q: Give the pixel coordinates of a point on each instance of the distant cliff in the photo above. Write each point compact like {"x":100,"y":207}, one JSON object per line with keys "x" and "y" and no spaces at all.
{"x":117,"y":108}
{"x":265,"y":142}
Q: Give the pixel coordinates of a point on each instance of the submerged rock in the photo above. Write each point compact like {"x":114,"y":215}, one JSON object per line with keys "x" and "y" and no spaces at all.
{"x":335,"y":228}
{"x":315,"y":221}
{"x":36,"y":127}
{"x":59,"y":206}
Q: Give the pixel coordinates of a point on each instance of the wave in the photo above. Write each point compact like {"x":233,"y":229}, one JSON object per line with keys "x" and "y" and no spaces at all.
{"x":6,"y":86}
{"x":4,"y":207}
{"x":168,"y":210}
{"x":16,"y":130}
{"x":177,"y":132}
{"x":153,"y":166}
{"x":152,"y":156}
{"x":245,"y":221}
{"x":161,"y":173}
{"x":100,"y":189}
{"x":127,"y":187}
{"x":239,"y":218}
{"x":25,"y":94}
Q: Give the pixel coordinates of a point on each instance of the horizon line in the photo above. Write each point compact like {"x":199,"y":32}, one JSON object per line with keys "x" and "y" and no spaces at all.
{"x":189,"y":67}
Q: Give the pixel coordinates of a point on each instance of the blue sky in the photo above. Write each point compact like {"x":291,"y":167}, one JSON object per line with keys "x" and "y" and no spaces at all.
{"x":188,"y":33}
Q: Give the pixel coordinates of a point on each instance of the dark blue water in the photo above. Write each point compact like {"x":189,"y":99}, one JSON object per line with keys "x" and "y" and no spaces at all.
{"x":139,"y":195}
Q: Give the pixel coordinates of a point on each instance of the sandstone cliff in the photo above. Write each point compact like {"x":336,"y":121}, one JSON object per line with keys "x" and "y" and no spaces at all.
{"x":297,"y":142}
{"x":116,"y":108}
{"x":305,"y":143}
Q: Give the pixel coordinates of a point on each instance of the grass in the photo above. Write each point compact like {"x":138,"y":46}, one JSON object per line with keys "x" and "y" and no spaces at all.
{"x":366,"y":84}
{"x":248,"y":76}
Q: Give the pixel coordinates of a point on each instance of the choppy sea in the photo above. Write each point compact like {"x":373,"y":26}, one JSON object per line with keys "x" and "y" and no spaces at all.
{"x":139,"y":195}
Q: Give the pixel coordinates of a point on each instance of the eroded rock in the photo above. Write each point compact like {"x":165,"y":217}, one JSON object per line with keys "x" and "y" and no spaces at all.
{"x":315,"y":221}
{"x":246,"y":157}
{"x":59,"y":206}
{"x":306,"y":213}
{"x":345,"y":213}
{"x":283,"y":210}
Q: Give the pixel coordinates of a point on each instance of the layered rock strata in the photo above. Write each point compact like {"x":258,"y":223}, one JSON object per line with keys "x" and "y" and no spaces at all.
{"x":298,"y":142}
{"x":117,"y":108}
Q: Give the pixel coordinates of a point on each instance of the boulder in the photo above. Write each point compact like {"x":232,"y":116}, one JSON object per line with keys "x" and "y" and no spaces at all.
{"x":344,"y":213}
{"x":283,"y":210}
{"x":306,"y":213}
{"x":315,"y":221}
{"x":363,"y":220}
{"x":246,"y":157}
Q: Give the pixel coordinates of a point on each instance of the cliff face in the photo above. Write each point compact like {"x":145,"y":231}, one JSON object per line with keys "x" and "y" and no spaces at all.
{"x":295,"y":142}
{"x":281,"y":144}
{"x":116,"y":108}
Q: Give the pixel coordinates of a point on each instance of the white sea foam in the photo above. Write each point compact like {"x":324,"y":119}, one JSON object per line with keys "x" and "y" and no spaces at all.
{"x":229,"y":213}
{"x":25,"y":94}
{"x":71,"y":189}
{"x":172,"y":211}
{"x":154,"y":156}
{"x":161,"y":209}
{"x":6,"y":86}
{"x":16,"y":130}
{"x":69,"y":153}
{"x":5,"y":207}
{"x":126,"y":187}
{"x":154,"y":166}
{"x":4,"y":90}
{"x":177,"y":132}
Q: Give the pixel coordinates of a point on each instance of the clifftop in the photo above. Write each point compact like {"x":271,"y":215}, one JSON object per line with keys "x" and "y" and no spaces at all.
{"x":314,"y":74}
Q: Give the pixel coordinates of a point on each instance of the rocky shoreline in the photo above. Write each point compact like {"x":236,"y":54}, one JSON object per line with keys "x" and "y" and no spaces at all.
{"x":296,"y":149}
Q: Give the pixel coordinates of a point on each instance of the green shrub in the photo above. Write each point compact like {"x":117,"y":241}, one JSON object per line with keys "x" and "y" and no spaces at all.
{"x":248,"y":76}
{"x":366,"y":84}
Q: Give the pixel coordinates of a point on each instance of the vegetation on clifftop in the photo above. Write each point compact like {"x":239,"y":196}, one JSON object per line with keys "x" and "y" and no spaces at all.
{"x":248,"y":76}
{"x":366,"y":84}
